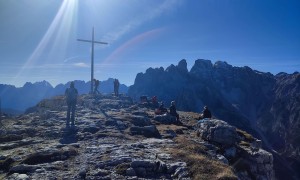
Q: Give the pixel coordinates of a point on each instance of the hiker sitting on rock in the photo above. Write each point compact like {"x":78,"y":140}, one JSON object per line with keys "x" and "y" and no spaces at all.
{"x":205,"y":113}
{"x":173,"y":110}
{"x":71,"y":97}
{"x":161,"y":109}
{"x":154,"y":102}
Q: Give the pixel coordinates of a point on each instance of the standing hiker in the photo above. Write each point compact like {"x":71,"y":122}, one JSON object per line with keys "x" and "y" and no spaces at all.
{"x":97,"y":83}
{"x":116,"y":87}
{"x":71,"y":94}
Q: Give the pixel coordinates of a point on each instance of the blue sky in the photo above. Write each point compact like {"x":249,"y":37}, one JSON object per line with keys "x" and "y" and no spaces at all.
{"x":38,"y":38}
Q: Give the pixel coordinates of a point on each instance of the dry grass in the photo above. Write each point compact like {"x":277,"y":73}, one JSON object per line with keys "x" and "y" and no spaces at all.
{"x":244,"y":143}
{"x":248,"y":137}
{"x":162,"y":127}
{"x":200,"y":166}
{"x":121,"y":168}
{"x":188,"y":118}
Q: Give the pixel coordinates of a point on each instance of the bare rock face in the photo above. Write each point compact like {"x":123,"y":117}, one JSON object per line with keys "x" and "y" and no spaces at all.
{"x":282,"y":121}
{"x":182,"y":66}
{"x":256,"y":163}
{"x":202,"y":68}
{"x":250,"y":160}
{"x":217,"y":131}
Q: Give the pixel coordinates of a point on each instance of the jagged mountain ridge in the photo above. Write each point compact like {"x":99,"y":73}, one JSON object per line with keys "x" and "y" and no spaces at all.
{"x":19,"y":99}
{"x":220,"y":86}
{"x":238,"y":95}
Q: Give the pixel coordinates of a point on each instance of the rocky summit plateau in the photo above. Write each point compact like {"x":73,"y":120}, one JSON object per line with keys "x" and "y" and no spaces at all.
{"x":115,"y":138}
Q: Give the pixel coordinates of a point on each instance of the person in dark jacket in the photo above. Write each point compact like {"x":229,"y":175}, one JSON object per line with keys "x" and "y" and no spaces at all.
{"x":173,"y":110}
{"x":162,"y":108}
{"x":116,"y":87}
{"x":206,"y":113}
{"x":97,"y":83}
{"x":71,"y":94}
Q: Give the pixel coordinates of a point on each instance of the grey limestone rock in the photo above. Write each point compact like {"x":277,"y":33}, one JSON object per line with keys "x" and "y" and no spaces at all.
{"x":140,"y":120}
{"x":23,"y":168}
{"x":130,"y":172}
{"x":147,"y":131}
{"x":260,"y":163}
{"x":218,"y":132}
{"x":166,"y":119}
{"x":17,"y":176}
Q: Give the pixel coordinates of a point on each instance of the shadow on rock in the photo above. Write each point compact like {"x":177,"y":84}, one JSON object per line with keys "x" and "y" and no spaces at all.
{"x":69,"y":135}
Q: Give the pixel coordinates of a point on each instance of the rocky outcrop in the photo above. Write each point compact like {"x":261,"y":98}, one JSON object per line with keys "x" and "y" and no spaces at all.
{"x":250,"y":161}
{"x":218,"y":132}
{"x":166,"y":119}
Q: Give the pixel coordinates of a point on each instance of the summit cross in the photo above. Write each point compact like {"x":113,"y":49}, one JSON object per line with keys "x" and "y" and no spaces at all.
{"x":92,"y":57}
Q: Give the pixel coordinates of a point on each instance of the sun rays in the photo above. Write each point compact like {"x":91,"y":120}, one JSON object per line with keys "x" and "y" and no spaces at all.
{"x":56,"y":38}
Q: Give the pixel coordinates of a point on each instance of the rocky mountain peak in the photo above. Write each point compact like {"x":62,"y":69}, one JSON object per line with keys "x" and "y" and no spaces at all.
{"x":202,"y":69}
{"x":202,"y":64}
{"x":117,"y":139}
{"x":171,"y":68}
{"x":182,"y":66}
{"x":222,"y":65}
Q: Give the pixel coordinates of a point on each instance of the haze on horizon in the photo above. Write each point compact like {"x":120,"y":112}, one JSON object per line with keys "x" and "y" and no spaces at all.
{"x":38,"y":39}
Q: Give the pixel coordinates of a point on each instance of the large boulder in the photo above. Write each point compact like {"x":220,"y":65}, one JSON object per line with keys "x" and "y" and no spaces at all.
{"x":257,"y":164}
{"x":166,"y":119}
{"x":140,"y":120}
{"x":217,"y":131}
{"x":147,"y":131}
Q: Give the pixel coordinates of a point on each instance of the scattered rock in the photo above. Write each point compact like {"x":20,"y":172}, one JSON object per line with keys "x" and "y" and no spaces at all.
{"x":17,"y":176}
{"x":147,"y":131}
{"x":6,"y":164}
{"x":130,"y":172}
{"x":10,"y":137}
{"x":82,"y":173}
{"x":222,"y":159}
{"x":230,"y":152}
{"x":166,"y":119}
{"x":23,"y":168}
{"x":140,"y":121}
{"x":49,"y":155}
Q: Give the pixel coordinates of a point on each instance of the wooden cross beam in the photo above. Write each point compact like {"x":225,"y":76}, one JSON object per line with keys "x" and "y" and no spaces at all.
{"x":92,"y":57}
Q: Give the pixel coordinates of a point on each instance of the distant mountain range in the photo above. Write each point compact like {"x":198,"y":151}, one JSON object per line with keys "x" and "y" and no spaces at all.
{"x":262,"y":103}
{"x":17,"y":100}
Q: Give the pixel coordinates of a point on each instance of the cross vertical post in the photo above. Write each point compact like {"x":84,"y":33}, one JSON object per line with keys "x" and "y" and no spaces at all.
{"x":92,"y":57}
